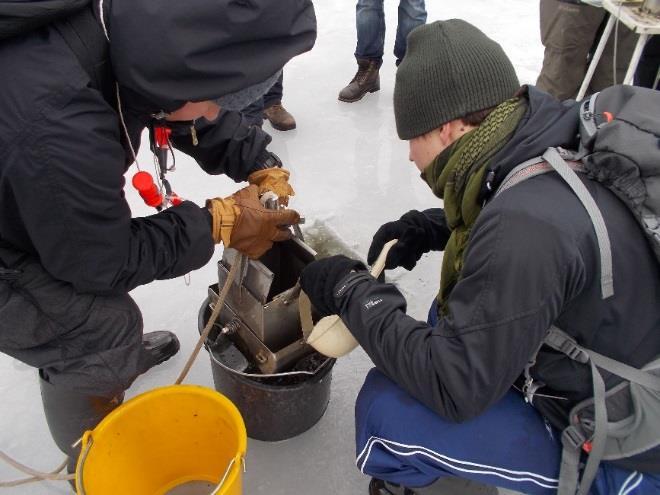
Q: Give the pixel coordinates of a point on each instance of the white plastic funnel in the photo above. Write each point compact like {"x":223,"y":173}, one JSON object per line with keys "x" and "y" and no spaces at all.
{"x":330,"y":336}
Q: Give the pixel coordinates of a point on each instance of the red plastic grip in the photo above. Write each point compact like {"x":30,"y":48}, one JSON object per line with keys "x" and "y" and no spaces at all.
{"x":162,"y":135}
{"x":175,"y":199}
{"x":145,"y":185}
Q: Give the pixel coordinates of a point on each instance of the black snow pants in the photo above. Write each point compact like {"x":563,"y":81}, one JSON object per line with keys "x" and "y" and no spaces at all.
{"x":86,"y":343}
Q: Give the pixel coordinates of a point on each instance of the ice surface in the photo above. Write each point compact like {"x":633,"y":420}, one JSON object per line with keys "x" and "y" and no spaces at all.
{"x":352,"y":174}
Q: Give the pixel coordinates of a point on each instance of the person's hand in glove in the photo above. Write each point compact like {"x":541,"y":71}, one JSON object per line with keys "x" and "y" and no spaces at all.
{"x":241,"y":222}
{"x":319,"y":279}
{"x":273,"y":179}
{"x":418,"y":232}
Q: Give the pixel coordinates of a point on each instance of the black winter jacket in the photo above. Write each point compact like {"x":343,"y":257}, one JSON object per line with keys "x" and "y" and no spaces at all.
{"x":532,"y":260}
{"x":63,"y":154}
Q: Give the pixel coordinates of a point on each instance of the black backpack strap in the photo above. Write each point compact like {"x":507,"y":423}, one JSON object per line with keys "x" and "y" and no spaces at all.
{"x":84,"y":35}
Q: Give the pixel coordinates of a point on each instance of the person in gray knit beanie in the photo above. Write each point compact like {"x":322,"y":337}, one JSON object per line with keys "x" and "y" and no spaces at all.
{"x":442,"y":412}
{"x":451,"y":69}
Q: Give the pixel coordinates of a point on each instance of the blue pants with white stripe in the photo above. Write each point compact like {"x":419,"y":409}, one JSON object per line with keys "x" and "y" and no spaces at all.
{"x":509,"y":445}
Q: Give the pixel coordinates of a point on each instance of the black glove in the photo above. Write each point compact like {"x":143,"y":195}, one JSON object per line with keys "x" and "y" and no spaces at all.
{"x":418,"y":232}
{"x":267,"y":159}
{"x":319,"y":278}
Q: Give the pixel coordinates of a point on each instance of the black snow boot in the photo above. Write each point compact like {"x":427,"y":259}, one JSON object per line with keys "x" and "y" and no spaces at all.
{"x":69,"y":414}
{"x":444,"y":486}
{"x":159,"y":347}
{"x":380,"y":487}
{"x":366,"y":80}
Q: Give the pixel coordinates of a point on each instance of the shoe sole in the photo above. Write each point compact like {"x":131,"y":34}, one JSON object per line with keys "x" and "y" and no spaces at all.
{"x":282,"y":127}
{"x":347,"y":100}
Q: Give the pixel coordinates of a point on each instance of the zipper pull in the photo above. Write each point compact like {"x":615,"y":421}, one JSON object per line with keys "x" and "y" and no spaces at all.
{"x":490,"y":177}
{"x":193,"y":134}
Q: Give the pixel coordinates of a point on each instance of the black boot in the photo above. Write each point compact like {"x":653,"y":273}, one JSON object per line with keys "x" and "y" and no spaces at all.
{"x":449,"y":485}
{"x":69,"y":414}
{"x":366,"y":80}
{"x":380,"y":487}
{"x":159,"y":347}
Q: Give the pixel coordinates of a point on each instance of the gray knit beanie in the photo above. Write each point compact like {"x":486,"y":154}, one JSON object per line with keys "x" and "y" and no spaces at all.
{"x":235,"y":102}
{"x":450,"y":70}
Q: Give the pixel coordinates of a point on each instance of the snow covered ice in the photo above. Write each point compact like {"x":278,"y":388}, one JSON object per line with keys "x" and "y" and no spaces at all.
{"x":351,"y":173}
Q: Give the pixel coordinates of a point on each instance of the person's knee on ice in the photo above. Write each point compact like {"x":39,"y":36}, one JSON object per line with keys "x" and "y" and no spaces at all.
{"x":104,"y":353}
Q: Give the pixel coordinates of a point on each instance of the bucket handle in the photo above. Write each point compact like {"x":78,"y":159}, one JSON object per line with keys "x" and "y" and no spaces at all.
{"x":216,"y":490}
{"x":87,"y":442}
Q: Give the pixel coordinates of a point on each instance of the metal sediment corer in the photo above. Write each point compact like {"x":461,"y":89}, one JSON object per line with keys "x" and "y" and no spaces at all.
{"x":259,"y":358}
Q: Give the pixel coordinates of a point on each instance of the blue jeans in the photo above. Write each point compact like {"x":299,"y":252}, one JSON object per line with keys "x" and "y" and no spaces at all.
{"x":510,"y":445}
{"x":370,"y":23}
{"x":254,"y":112}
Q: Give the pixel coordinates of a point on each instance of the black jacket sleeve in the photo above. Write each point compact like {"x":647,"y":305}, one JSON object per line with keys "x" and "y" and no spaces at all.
{"x":73,"y":206}
{"x":227,"y":146}
{"x":517,"y":275}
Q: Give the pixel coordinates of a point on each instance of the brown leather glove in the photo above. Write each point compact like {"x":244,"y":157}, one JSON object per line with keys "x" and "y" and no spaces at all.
{"x":241,"y":222}
{"x":273,"y":179}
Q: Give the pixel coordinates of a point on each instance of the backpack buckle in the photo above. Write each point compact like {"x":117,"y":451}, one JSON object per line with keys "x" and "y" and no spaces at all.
{"x":10,"y":275}
{"x":563,"y":343}
{"x":575,"y":352}
{"x":572,"y":437}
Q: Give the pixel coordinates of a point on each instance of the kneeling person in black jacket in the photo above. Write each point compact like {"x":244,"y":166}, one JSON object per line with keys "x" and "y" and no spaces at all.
{"x":80,"y":82}
{"x":442,"y":402}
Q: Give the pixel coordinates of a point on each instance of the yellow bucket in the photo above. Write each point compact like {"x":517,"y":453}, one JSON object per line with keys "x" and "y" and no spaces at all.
{"x":176,"y":440}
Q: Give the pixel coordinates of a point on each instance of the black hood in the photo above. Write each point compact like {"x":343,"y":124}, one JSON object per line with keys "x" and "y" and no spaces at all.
{"x":547,"y":123}
{"x":171,"y":52}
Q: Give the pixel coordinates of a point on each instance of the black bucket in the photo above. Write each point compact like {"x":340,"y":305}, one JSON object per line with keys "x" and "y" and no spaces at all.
{"x":273,"y":408}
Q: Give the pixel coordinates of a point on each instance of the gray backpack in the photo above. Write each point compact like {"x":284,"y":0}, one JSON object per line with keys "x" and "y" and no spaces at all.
{"x":620,"y":148}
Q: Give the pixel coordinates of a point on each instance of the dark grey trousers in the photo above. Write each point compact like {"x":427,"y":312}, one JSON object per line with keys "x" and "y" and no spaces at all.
{"x":569,"y":31}
{"x":82,"y":342}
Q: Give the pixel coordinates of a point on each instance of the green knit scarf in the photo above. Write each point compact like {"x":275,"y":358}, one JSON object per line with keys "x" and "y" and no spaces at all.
{"x":456,"y":176}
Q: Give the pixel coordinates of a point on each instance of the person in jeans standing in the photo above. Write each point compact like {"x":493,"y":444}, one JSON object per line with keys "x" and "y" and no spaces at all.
{"x":269,"y":106}
{"x":370,"y":23}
